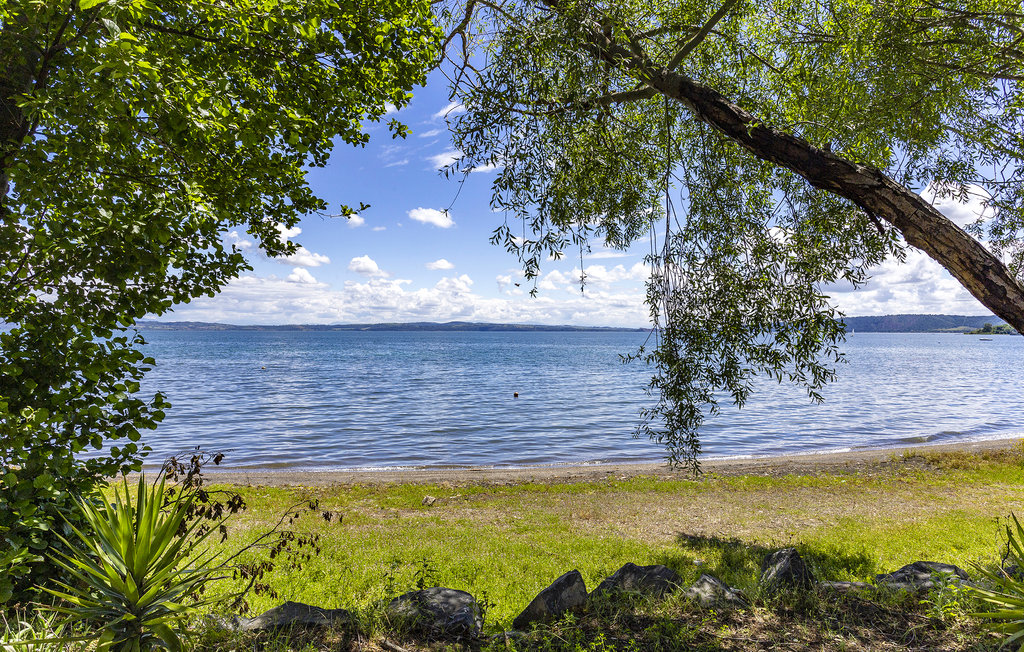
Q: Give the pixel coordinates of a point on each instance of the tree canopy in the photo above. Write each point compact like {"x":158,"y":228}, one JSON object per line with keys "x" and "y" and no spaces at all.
{"x":780,"y":146}
{"x":133,"y":136}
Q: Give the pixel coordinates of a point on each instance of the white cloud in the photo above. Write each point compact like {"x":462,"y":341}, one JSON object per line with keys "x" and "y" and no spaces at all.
{"x":301,"y":275}
{"x":380,"y":228}
{"x":441,"y":219}
{"x":453,"y":108}
{"x":430,"y":134}
{"x":919,"y":285}
{"x":238,"y":240}
{"x":271,"y":300}
{"x":440,"y":263}
{"x":969,"y":211}
{"x":603,"y":276}
{"x":455,"y":285}
{"x":390,"y":108}
{"x":444,"y":159}
{"x":355,"y":221}
{"x":395,"y":164}
{"x":511,"y":283}
{"x":487,"y":167}
{"x":366,"y":266}
{"x":304,"y":258}
{"x":287,"y":233}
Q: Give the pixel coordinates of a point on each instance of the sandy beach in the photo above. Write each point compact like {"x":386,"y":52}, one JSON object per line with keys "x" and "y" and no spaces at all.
{"x":859,"y":461}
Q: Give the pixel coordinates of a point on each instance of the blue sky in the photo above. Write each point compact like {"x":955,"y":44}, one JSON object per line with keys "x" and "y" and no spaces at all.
{"x":404,"y":259}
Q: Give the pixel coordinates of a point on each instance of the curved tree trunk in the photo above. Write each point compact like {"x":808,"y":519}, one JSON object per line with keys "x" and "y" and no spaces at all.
{"x":921,"y":225}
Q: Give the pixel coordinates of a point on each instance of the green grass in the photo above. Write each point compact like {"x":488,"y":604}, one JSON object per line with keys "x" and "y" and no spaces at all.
{"x":504,"y":544}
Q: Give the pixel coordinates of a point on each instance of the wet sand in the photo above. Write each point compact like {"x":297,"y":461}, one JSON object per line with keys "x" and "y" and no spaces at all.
{"x":860,"y":461}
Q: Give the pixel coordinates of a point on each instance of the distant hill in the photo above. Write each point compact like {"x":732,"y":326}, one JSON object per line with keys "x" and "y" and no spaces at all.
{"x":149,"y":324}
{"x":883,"y":324}
{"x":919,"y":323}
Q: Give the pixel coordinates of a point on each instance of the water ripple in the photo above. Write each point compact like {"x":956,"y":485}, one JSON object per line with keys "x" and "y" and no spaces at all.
{"x":378,"y":399}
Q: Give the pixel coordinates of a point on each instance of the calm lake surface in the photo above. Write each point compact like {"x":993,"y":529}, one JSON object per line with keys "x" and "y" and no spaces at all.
{"x":346,"y":400}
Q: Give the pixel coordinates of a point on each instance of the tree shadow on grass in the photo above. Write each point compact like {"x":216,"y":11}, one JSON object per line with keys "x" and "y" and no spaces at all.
{"x":738,"y":562}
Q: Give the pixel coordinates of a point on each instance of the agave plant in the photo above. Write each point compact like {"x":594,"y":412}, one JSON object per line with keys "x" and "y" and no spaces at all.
{"x":1006,"y":597}
{"x":138,"y":570}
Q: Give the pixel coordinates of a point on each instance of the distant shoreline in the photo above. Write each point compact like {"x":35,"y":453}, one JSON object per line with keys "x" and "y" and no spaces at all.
{"x":909,"y":323}
{"x":149,"y":325}
{"x":857,"y":461}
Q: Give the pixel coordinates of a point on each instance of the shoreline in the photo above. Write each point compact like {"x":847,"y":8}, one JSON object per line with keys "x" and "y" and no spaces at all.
{"x":857,"y":461}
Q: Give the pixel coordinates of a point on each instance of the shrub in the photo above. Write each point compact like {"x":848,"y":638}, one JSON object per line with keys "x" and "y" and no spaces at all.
{"x":1006,"y":597}
{"x":139,"y":569}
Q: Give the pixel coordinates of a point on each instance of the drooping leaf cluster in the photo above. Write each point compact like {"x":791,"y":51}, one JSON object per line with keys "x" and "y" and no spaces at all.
{"x":134,"y":137}
{"x":570,"y":98}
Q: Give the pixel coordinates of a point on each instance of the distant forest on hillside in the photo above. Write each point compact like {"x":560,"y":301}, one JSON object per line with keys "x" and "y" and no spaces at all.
{"x":919,"y":323}
{"x":882,"y":324}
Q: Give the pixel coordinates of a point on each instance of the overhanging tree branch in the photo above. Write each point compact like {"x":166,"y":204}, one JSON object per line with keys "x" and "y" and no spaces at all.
{"x":920,"y":223}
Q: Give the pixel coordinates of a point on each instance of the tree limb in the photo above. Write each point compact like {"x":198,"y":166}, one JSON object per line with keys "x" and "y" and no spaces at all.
{"x":699,"y":37}
{"x":870,"y":189}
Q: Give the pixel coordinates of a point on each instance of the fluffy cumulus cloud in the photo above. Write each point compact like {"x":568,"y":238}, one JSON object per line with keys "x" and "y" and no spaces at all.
{"x":918,"y":285}
{"x":302,"y":257}
{"x":239,"y":241}
{"x":302,"y":299}
{"x":287,"y":233}
{"x":366,"y":266}
{"x":355,"y":221}
{"x":440,"y":263}
{"x":441,"y":219}
{"x":301,"y":275}
{"x":305,"y":258}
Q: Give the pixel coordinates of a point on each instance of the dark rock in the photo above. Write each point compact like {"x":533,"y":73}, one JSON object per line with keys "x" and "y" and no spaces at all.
{"x":1014,"y":571}
{"x":291,"y":614}
{"x":652,"y":581}
{"x":921,"y":576}
{"x":785,"y":568}
{"x":711,"y":591}
{"x":567,"y":593}
{"x":437,"y":611}
{"x":845,"y":587}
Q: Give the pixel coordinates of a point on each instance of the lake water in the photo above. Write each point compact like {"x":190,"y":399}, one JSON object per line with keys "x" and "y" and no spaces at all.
{"x":346,"y":400}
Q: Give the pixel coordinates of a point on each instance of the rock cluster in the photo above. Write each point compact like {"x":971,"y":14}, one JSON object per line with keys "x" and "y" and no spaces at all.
{"x":449,"y":614}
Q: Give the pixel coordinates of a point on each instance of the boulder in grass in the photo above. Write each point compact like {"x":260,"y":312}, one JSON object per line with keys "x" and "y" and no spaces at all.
{"x":711,"y":591}
{"x":922,"y":576}
{"x":290,"y":615}
{"x":785,"y":569}
{"x":567,"y":593}
{"x":650,"y":581}
{"x":437,"y":611}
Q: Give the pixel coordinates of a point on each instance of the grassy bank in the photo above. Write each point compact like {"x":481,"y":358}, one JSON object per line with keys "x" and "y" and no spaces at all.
{"x":505,"y":543}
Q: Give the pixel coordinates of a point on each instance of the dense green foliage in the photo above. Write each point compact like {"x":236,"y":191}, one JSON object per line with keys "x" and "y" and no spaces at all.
{"x":768,"y":150}
{"x":133,"y":138}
